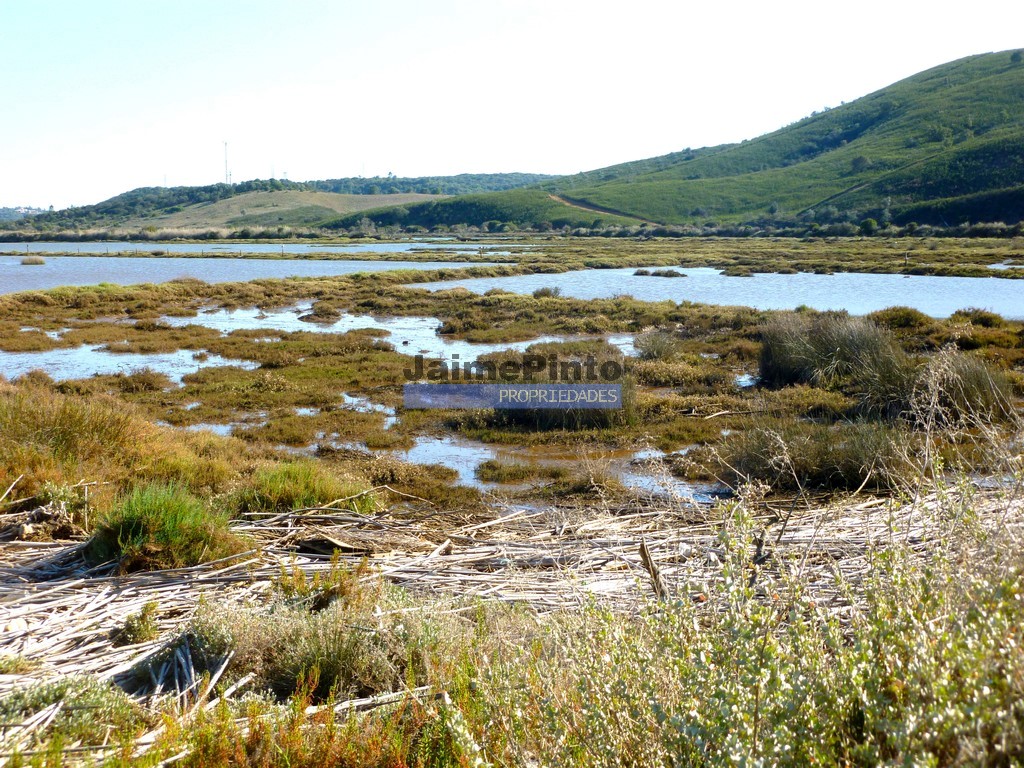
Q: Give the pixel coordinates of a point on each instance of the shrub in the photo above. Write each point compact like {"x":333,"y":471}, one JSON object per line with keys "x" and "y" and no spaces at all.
{"x":868,"y":227}
{"x":93,"y":711}
{"x":921,"y":673}
{"x":657,"y":345}
{"x":346,"y":634}
{"x":139,"y":627}
{"x":547,"y":292}
{"x":162,"y":526}
{"x":975,"y":316}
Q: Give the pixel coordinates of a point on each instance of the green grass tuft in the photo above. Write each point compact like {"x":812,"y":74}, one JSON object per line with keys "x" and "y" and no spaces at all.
{"x":162,"y":526}
{"x":299,"y":485}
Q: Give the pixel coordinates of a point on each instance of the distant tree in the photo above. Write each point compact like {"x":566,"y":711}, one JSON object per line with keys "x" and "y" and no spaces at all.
{"x":868,"y":227}
{"x":1016,"y":57}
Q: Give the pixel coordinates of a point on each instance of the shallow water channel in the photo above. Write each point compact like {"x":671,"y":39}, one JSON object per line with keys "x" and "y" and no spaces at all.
{"x":93,"y":360}
{"x":858,"y":293}
{"x":59,"y":271}
{"x":409,"y":335}
{"x":199,"y":248}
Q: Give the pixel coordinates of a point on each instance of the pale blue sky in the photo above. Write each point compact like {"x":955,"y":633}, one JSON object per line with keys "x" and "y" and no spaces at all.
{"x":102,"y":96}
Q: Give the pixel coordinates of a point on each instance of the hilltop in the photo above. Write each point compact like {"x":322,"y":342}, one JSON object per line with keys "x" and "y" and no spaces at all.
{"x":943,"y":147}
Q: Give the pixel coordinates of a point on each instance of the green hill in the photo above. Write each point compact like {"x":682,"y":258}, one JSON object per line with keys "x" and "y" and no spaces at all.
{"x":942,"y":147}
{"x":287,"y":208}
{"x":270,"y":202}
{"x":953,"y":131}
{"x":517,"y":208}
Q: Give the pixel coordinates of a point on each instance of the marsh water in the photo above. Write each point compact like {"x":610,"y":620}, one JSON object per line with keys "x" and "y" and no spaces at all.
{"x":92,"y":360}
{"x":409,"y":335}
{"x":130,"y":270}
{"x":857,"y":293}
{"x":641,"y":470}
{"x":215,"y":248}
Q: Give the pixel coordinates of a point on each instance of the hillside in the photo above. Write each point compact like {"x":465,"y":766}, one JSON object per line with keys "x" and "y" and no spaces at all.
{"x":296,"y":208}
{"x":497,"y":211}
{"x":949,"y":132}
{"x":269,"y":202}
{"x":942,"y":147}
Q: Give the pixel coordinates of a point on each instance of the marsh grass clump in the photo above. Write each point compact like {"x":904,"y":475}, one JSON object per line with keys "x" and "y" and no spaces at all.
{"x":323,"y":312}
{"x":161,"y":526}
{"x":143,"y":380}
{"x":840,"y":352}
{"x":956,"y":389}
{"x":980,"y":317}
{"x":547,"y":292}
{"x":436,"y":484}
{"x":46,"y":436}
{"x":902,"y":318}
{"x":32,"y":261}
{"x":685,"y":377}
{"x":300,"y":484}
{"x":494,"y":471}
{"x":657,"y":345}
{"x":589,"y":480}
{"x":797,"y":455}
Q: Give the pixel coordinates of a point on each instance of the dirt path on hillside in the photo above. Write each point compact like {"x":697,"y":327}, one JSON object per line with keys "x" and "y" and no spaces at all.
{"x":598,"y":209}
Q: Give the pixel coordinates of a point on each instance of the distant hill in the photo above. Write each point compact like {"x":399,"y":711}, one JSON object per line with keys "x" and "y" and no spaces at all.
{"x":271,"y":202}
{"x":499,"y":211}
{"x":943,"y":147}
{"x":463,"y":184}
{"x":282,"y":208}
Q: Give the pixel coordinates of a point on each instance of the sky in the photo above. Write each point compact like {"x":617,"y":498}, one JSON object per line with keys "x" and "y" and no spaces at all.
{"x":103,"y":96}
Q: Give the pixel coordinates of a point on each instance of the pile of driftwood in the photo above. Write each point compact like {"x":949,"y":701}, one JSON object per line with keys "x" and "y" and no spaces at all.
{"x":62,"y":617}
